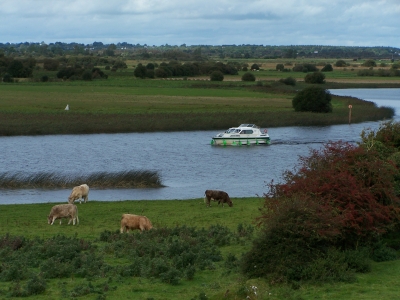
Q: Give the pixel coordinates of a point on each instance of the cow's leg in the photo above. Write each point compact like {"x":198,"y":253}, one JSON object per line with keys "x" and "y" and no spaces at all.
{"x":52,"y":222}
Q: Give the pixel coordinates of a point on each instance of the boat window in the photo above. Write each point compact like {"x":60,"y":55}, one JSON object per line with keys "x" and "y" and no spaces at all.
{"x":246,"y":132}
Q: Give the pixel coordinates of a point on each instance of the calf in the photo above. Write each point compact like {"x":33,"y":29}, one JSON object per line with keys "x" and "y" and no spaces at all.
{"x":220,"y":196}
{"x":63,"y":211}
{"x":78,"y":193}
{"x":132,"y":222}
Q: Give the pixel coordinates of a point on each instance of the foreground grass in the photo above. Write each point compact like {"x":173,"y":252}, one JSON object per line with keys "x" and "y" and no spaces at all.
{"x":95,"y":217}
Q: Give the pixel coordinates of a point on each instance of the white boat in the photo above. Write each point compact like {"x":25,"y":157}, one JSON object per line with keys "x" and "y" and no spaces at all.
{"x":245,"y":134}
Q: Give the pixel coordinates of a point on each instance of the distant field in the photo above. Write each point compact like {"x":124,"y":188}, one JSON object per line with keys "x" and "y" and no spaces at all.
{"x":123,"y":103}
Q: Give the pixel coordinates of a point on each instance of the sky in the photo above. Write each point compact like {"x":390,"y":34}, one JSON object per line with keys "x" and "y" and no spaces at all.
{"x":206,"y":22}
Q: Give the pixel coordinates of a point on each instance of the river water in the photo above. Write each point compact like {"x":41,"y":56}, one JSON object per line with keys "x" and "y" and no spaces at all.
{"x":188,"y":164}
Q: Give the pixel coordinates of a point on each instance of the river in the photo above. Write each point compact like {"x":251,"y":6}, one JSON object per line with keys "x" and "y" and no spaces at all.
{"x":188,"y":164}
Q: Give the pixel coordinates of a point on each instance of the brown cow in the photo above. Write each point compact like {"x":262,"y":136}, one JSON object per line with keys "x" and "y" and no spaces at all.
{"x":78,"y":193}
{"x":132,"y":222}
{"x":220,"y":196}
{"x":63,"y":211}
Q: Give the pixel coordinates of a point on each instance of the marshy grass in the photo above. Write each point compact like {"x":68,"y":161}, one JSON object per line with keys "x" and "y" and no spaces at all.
{"x":46,"y":180}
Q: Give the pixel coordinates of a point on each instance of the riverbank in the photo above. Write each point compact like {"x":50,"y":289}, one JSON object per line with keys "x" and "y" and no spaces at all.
{"x":121,"y":106}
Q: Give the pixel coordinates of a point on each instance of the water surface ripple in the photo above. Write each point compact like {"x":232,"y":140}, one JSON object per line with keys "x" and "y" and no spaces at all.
{"x":188,"y":164}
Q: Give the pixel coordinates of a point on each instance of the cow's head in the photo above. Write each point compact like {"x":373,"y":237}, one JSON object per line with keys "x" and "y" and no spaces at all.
{"x":230,"y":203}
{"x":49,"y":219}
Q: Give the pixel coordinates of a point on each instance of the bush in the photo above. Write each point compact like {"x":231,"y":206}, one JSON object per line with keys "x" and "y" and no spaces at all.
{"x":313,"y":99}
{"x":327,"y":68}
{"x":316,"y":77}
{"x":369,"y":63}
{"x":288,"y":81}
{"x":305,"y":68}
{"x":8,"y":78}
{"x":280,"y":67}
{"x":44,"y":78}
{"x":340,"y":63}
{"x":248,"y":77}
{"x":255,"y":67}
{"x":216,"y":76}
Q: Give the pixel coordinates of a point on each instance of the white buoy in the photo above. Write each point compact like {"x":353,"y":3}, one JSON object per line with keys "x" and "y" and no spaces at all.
{"x":67,"y":107}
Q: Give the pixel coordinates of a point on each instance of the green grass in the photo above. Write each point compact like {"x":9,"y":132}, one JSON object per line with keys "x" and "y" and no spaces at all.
{"x":126,"y":104}
{"x":96,"y":216}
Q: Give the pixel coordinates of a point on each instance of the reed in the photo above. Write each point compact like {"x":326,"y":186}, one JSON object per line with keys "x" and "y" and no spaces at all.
{"x":45,"y":180}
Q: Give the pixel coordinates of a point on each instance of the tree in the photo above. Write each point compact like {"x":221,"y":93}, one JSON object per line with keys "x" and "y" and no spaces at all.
{"x":280,"y":67}
{"x":313,"y":99}
{"x":248,"y":77}
{"x":17,"y":69}
{"x":140,"y":71}
{"x":369,"y":63}
{"x":288,"y":81}
{"x":341,"y":63}
{"x":255,"y":67}
{"x":50,"y":64}
{"x":316,"y":77}
{"x":217,"y":76}
{"x":327,"y":68}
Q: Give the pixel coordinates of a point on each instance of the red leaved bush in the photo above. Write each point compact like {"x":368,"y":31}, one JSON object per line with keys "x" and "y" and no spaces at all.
{"x":347,"y":193}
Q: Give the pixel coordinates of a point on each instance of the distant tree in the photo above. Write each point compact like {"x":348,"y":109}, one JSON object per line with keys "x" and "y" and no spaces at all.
{"x":305,"y":68}
{"x":17,"y":69}
{"x":316,"y":77}
{"x":150,"y":66}
{"x":87,"y":76}
{"x":369,"y":63}
{"x":340,"y":63}
{"x":50,"y":64}
{"x":255,"y":67}
{"x":288,"y":81}
{"x":313,"y":99}
{"x":161,"y":72}
{"x":140,"y":71}
{"x":44,"y":78}
{"x":248,"y":77}
{"x":150,"y":73}
{"x":327,"y":68}
{"x":280,"y":67}
{"x":217,"y":76}
{"x":8,"y":78}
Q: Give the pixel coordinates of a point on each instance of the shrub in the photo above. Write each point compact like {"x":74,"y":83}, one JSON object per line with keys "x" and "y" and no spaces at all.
{"x":305,"y":68}
{"x":255,"y":67}
{"x":248,"y":77}
{"x":316,"y":77}
{"x":44,"y":78}
{"x":280,"y":67}
{"x":87,"y":76}
{"x":8,"y":78}
{"x":369,"y":63}
{"x":288,"y":81}
{"x":216,"y":76}
{"x":340,"y":63}
{"x":313,"y":99}
{"x":327,"y":68}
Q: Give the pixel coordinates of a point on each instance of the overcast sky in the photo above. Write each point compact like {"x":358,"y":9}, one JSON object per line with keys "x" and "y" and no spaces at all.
{"x":205,"y":22}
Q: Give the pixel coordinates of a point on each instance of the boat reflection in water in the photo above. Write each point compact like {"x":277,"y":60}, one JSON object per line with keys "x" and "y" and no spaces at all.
{"x":245,"y":134}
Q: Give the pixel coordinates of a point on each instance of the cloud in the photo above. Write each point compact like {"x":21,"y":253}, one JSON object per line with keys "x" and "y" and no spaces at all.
{"x":157,"y":22}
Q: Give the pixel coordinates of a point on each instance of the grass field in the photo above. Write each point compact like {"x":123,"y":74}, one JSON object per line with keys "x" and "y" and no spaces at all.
{"x":123,"y":103}
{"x":96,"y":217}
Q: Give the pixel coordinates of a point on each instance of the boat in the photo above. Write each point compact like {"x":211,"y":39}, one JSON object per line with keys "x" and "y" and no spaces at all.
{"x":244,"y":134}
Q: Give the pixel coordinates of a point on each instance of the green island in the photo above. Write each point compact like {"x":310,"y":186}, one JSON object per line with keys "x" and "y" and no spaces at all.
{"x":197,"y":252}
